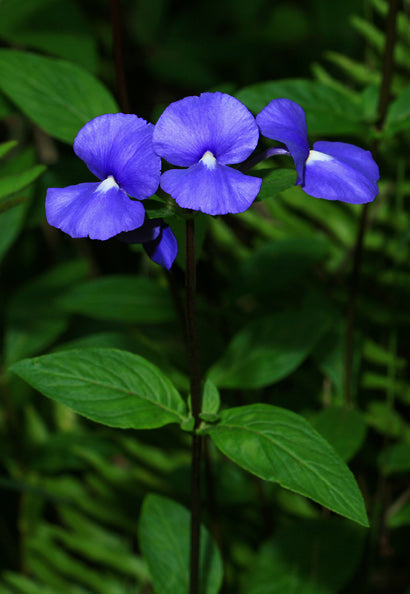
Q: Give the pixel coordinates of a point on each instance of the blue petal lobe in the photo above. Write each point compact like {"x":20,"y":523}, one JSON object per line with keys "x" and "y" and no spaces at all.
{"x":121,"y":145}
{"x":214,"y":122}
{"x":86,"y":210}
{"x":217,"y":190}
{"x":163,"y":250}
{"x":330,"y":178}
{"x":353,"y":155}
{"x":284,"y":120}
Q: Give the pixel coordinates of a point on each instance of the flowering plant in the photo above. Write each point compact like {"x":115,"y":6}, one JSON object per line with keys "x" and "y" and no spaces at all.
{"x":230,"y":358}
{"x":203,"y":136}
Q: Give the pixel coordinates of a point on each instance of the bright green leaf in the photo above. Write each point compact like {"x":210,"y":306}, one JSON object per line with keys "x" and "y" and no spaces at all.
{"x":58,"y":96}
{"x":112,"y":387}
{"x":280,"y":446}
{"x":164,"y":539}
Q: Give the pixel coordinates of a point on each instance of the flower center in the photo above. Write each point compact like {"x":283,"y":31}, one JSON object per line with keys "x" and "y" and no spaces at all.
{"x":208,"y":160}
{"x":107,"y":184}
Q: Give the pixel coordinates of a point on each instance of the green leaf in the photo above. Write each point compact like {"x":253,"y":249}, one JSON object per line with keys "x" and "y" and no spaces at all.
{"x":164,"y":538}
{"x":6,"y":147}
{"x":30,"y":330}
{"x":281,"y":264}
{"x":398,"y":116}
{"x":38,"y":24}
{"x":10,"y":203}
{"x":386,"y":420}
{"x":276,"y":180}
{"x":344,"y":429}
{"x":400,"y":517}
{"x":11,"y":221}
{"x":280,"y":446}
{"x":355,"y":70}
{"x":329,"y":355}
{"x":121,"y":298}
{"x":58,"y":96}
{"x":376,"y":39}
{"x":288,"y":563}
{"x":396,"y":458}
{"x":10,"y":184}
{"x":269,"y":349}
{"x":109,"y":386}
{"x":211,"y":402}
{"x":25,"y":585}
{"x":328,"y":111}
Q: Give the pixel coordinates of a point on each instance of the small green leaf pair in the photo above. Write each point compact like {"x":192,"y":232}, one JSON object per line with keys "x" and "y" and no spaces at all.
{"x":120,"y":389}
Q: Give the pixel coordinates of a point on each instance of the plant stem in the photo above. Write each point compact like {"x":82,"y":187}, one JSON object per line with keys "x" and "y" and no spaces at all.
{"x":384,"y":99}
{"x":196,"y":397}
{"x":118,"y":57}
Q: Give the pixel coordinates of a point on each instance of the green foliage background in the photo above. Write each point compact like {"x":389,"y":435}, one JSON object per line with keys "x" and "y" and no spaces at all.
{"x":274,"y":285}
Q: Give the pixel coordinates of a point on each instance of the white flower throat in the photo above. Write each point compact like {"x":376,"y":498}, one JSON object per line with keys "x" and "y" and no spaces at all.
{"x":315,"y":156}
{"x":208,"y":160}
{"x":107,"y":184}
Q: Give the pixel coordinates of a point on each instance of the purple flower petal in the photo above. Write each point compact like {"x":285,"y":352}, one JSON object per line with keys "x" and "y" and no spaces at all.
{"x":214,"y":122}
{"x":95,"y":210}
{"x":121,"y":145}
{"x":353,"y":155}
{"x":284,"y":120}
{"x":164,"y":249}
{"x":211,"y":188}
{"x":328,"y":177}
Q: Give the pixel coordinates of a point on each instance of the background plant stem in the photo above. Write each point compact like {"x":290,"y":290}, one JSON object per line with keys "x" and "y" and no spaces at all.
{"x":118,"y":57}
{"x":384,"y":99}
{"x":196,"y":397}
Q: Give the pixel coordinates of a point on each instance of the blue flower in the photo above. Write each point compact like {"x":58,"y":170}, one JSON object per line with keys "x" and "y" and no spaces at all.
{"x":117,"y":149}
{"x":332,"y":170}
{"x":157,"y":240}
{"x":205,"y":134}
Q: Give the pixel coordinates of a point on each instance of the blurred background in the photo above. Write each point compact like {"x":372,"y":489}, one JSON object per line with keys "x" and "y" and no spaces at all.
{"x":71,"y":490}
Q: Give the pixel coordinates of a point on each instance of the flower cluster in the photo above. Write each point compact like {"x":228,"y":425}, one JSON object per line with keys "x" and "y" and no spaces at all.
{"x":200,"y":137}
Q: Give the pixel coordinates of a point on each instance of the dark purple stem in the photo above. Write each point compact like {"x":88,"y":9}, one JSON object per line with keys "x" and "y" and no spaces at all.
{"x":255,"y":159}
{"x":118,"y":57}
{"x":196,"y":402}
{"x":384,"y":98}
